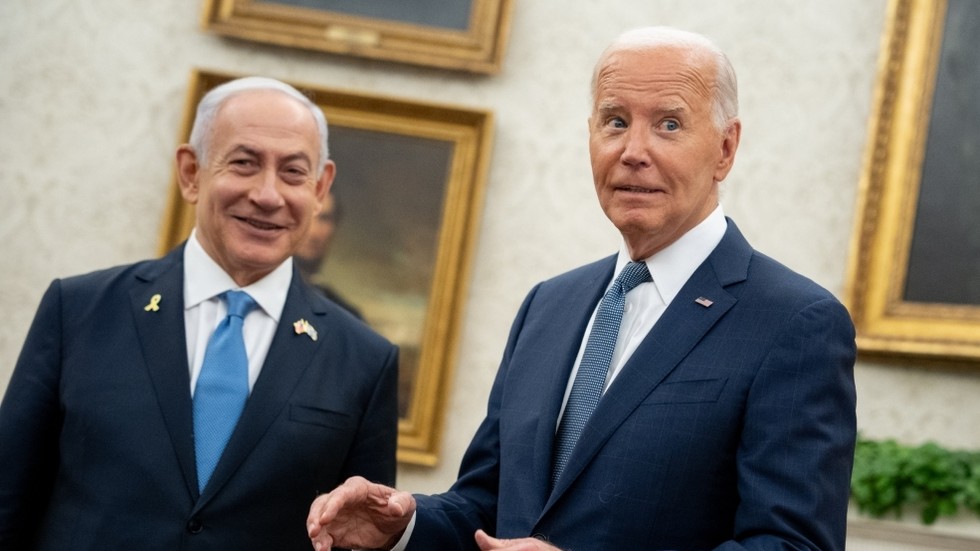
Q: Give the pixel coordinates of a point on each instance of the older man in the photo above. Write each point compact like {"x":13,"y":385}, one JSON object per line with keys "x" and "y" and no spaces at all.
{"x":686,"y":393}
{"x":200,"y":401}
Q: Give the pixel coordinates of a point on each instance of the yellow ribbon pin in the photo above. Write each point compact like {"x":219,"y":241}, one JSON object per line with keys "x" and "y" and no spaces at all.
{"x":154,"y":304}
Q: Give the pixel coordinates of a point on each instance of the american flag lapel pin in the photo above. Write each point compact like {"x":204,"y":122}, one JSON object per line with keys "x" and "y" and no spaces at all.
{"x":704,"y":302}
{"x":303,"y":327}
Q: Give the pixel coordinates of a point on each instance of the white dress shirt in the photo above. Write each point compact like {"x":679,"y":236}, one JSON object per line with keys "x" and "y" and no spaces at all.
{"x":204,"y":282}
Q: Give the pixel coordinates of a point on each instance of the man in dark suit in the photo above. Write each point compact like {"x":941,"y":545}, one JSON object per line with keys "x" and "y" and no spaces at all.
{"x":107,"y":430}
{"x":724,"y":416}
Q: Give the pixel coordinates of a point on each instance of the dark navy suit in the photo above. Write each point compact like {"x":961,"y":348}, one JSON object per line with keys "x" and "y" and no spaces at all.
{"x":731,"y":427}
{"x":96,"y":432}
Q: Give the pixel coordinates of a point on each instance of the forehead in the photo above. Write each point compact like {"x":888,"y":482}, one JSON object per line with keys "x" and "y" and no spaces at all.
{"x":265,"y":116}
{"x":655,"y":74}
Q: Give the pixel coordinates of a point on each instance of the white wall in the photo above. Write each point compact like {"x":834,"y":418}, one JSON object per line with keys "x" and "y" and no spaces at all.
{"x":91,"y":94}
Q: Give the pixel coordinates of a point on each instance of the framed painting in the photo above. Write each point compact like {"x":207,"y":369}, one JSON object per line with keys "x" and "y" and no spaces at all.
{"x":467,"y":35}
{"x":409,"y":185}
{"x":914,"y":274}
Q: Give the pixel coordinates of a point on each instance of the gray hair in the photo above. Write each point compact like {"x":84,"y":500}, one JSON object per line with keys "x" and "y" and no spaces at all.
{"x":209,"y":105}
{"x":725,"y":100}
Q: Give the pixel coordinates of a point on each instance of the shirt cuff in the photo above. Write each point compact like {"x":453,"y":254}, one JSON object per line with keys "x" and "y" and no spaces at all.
{"x":403,"y":541}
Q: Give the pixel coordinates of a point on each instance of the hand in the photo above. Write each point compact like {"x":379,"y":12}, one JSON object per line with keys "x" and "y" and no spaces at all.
{"x":487,"y":543}
{"x":359,"y":514}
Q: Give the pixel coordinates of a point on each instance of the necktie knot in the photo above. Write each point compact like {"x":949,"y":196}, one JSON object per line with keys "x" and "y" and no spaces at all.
{"x":632,"y":275}
{"x":239,"y":303}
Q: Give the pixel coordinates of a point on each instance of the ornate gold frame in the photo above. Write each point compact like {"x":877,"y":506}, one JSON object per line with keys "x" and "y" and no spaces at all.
{"x":889,"y":193}
{"x":468,"y":133}
{"x":478,"y":49}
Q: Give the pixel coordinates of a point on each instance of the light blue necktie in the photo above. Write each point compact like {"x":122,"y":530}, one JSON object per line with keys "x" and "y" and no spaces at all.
{"x":222,"y":386}
{"x":592,"y":371}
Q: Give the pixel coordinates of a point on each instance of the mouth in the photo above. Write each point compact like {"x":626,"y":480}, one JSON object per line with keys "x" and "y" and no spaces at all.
{"x":258,"y":224}
{"x":635,"y":189}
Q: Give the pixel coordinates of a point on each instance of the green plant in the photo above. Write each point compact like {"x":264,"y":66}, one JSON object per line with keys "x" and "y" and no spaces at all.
{"x":888,"y":476}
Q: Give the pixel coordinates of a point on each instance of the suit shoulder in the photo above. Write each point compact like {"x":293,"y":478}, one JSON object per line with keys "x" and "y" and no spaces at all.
{"x":779,"y":283}
{"x":108,"y":277}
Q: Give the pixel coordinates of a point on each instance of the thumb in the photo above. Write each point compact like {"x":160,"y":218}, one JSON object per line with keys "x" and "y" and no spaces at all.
{"x":486,"y":542}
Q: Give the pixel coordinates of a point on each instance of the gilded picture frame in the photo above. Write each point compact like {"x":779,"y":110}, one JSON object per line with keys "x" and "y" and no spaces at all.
{"x":914,"y":272}
{"x":410,"y":178}
{"x":468,"y":35}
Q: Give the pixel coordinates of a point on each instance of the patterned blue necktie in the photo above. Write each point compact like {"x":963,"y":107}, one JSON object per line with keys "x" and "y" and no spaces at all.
{"x":222,"y":386}
{"x":592,"y":371}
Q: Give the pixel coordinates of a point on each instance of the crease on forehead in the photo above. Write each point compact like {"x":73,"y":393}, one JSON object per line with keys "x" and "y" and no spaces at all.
{"x":660,"y":67}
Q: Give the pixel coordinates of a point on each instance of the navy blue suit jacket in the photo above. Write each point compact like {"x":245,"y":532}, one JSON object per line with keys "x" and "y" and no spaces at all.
{"x":96,"y":433}
{"x":731,"y":427}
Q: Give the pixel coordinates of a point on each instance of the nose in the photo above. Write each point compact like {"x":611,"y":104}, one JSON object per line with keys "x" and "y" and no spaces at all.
{"x":637,"y":144}
{"x":265,"y":193}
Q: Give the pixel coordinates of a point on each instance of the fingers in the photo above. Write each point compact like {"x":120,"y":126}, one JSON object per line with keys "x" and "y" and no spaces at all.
{"x":358,"y":510}
{"x":325,"y":508}
{"x":322,"y":543}
{"x":485,"y":542}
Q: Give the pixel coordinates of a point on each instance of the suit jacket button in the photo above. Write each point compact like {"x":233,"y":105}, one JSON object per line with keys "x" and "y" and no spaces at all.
{"x":541,"y":537}
{"x":195,"y":526}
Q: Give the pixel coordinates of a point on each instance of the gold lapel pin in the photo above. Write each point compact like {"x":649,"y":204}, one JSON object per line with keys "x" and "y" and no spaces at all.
{"x":703,"y":301}
{"x":302,"y":326}
{"x":154,"y":304}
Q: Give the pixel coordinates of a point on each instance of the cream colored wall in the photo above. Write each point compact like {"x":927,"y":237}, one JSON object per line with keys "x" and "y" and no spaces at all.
{"x":91,"y":94}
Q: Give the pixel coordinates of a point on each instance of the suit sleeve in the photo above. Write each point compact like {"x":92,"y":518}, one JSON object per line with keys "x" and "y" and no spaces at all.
{"x":30,"y":421}
{"x":797,"y":446}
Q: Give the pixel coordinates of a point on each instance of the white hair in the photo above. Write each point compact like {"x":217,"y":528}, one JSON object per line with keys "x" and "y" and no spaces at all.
{"x":209,"y":105}
{"x":725,"y":97}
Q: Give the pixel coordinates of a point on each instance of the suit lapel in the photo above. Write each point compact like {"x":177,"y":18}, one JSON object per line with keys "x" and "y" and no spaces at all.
{"x":160,"y":326}
{"x":290,"y":354}
{"x":679,"y":330}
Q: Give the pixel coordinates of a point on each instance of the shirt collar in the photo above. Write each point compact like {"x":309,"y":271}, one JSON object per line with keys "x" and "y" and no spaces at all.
{"x":673,"y":266}
{"x":204,"y":279}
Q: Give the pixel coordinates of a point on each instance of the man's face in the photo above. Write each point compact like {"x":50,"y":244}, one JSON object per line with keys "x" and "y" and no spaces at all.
{"x":657,"y":156}
{"x":258,"y":190}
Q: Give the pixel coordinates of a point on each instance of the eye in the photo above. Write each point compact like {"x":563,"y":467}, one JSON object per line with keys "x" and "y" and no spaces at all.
{"x":617,"y":122}
{"x":242,"y":163}
{"x":670,"y":125}
{"x":294,"y":174}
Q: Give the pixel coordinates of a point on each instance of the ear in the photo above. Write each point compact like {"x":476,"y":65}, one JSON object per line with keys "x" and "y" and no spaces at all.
{"x":729,"y":144}
{"x":188,"y":171}
{"x":324,"y":183}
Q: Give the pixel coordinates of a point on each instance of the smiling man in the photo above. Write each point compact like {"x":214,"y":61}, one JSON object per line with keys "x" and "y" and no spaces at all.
{"x":201,"y":400}
{"x":685,"y":393}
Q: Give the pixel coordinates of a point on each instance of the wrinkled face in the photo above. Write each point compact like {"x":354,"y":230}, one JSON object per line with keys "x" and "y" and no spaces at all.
{"x":258,"y":191}
{"x":657,"y":155}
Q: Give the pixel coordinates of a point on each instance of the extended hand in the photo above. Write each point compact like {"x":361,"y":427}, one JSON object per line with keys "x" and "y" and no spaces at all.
{"x":487,"y":543}
{"x":359,"y":514}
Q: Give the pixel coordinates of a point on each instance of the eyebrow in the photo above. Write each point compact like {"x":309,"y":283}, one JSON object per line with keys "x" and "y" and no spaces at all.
{"x":673,"y":111}
{"x":241,"y":148}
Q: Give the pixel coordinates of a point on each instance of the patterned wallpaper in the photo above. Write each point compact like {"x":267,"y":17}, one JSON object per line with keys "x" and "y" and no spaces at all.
{"x":91,"y":95}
